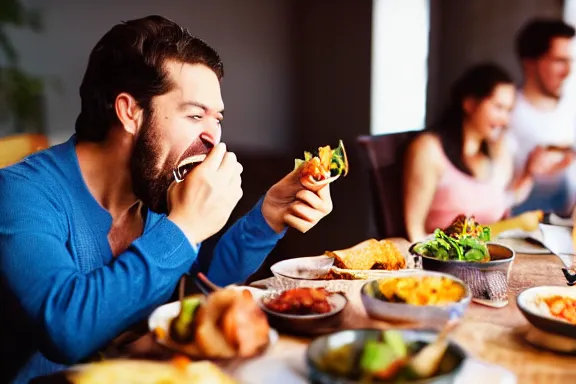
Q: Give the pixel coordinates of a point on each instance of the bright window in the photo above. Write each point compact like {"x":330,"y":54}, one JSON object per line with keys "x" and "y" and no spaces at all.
{"x":400,"y":32}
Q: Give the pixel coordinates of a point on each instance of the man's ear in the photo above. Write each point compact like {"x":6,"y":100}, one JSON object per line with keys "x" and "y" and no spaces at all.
{"x":128,"y":112}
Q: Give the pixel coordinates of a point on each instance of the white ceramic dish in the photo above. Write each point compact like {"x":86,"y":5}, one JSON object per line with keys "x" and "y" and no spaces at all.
{"x":306,"y":272}
{"x":537,"y":313}
{"x":424,"y":314}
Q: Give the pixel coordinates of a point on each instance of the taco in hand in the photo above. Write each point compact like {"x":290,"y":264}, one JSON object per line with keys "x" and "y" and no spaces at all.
{"x":322,"y":167}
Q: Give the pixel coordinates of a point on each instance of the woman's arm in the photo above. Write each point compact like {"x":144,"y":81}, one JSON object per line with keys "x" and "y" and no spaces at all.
{"x":520,"y":188}
{"x":422,"y":171}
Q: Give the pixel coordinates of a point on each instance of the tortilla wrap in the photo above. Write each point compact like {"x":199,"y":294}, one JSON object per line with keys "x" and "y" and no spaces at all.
{"x":322,"y":167}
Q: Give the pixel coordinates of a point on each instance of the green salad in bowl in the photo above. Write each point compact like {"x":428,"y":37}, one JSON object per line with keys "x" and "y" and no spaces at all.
{"x":463,"y":240}
{"x":465,"y":250}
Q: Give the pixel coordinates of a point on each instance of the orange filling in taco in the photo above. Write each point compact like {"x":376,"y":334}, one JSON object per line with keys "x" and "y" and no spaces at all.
{"x":324,"y":165}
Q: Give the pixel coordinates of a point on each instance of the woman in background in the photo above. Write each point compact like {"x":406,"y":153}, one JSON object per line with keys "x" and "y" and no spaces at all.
{"x":461,"y":164}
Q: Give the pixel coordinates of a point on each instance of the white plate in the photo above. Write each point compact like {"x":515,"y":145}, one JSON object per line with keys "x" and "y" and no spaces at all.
{"x":290,"y":368}
{"x":161,"y":317}
{"x":523,"y":246}
{"x":515,"y":239}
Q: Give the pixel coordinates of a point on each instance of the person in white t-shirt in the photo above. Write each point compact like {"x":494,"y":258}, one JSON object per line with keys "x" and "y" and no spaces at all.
{"x":543,"y":122}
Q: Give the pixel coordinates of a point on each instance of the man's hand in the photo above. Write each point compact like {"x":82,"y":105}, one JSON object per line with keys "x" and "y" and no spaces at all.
{"x":546,"y":162}
{"x":289,"y":203}
{"x":202,"y":203}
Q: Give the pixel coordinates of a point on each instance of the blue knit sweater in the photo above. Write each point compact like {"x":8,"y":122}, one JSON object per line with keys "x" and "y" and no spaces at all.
{"x":63,"y":294}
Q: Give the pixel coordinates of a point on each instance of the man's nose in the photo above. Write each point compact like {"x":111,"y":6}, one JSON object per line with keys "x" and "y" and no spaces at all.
{"x":212,"y":132}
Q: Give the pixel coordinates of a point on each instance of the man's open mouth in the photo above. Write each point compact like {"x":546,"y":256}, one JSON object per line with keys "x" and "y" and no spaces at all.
{"x":187,"y":165}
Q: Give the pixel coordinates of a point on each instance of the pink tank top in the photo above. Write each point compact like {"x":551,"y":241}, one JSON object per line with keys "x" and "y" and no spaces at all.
{"x":459,"y":193}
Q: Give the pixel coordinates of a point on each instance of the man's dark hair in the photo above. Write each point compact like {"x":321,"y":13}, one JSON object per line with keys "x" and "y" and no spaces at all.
{"x":130,"y":58}
{"x":533,"y":40}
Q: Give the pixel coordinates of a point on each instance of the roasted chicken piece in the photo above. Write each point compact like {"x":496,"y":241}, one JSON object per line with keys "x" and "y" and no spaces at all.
{"x":245,"y":326}
{"x":231,"y":324}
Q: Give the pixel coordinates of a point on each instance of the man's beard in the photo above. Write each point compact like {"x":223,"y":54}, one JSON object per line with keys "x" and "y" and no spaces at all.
{"x":150,"y":183}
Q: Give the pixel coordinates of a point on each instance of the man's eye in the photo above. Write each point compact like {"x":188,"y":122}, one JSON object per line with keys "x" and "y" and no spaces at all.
{"x":196,"y":117}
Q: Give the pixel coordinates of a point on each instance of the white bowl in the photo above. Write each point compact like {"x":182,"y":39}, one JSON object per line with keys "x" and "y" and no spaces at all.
{"x":424,"y":314}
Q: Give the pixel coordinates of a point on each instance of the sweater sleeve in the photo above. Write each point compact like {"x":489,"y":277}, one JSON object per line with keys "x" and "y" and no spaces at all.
{"x":79,"y":313}
{"x":243,"y":248}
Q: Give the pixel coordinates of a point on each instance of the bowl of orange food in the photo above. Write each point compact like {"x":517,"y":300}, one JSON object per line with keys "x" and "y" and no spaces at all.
{"x":550,"y":309}
{"x":416,"y":297}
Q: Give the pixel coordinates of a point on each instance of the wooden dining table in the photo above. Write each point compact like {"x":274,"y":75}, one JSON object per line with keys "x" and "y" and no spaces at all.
{"x":491,"y":335}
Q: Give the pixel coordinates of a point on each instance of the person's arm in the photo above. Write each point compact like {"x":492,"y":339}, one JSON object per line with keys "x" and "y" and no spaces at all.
{"x":421,"y":176}
{"x":78,"y":313}
{"x":520,"y":188}
{"x":521,"y":181}
{"x":243,"y":248}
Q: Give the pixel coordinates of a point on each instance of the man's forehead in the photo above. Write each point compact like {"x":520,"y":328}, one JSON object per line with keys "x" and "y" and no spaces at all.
{"x":561,"y":46}
{"x":194,"y":82}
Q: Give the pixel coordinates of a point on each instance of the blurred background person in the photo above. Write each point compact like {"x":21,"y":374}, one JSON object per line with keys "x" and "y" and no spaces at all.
{"x":544,"y":115}
{"x":461,"y":165}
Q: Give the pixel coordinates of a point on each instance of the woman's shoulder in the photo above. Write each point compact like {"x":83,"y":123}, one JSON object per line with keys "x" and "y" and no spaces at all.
{"x":426,"y":144}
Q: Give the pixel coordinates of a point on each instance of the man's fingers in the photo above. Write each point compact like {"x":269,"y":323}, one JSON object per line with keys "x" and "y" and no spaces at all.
{"x":215,"y":157}
{"x":322,"y":204}
{"x":229,"y":165}
{"x":324,"y":193}
{"x":297,"y":223}
{"x":305,"y":212}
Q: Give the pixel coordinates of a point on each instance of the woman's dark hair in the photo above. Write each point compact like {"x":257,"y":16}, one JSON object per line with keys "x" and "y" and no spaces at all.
{"x":130,"y":58}
{"x":479,"y":83}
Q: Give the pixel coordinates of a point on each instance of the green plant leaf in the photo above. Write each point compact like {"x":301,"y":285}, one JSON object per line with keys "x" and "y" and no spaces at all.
{"x":8,"y":48}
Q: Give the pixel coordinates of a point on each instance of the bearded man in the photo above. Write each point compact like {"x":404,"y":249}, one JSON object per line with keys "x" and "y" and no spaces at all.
{"x":95,"y":232}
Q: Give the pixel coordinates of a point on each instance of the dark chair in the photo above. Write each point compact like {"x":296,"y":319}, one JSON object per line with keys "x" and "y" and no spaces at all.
{"x":383,"y":158}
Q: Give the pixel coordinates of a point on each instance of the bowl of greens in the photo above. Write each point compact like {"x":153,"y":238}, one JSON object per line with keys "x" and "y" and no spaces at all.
{"x":377,"y":356}
{"x":465,"y":250}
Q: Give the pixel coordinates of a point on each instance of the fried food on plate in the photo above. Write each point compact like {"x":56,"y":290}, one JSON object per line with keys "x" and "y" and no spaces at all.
{"x":122,"y":371}
{"x":369,"y":254}
{"x":323,"y":166}
{"x":527,"y":221}
{"x":227,"y":324}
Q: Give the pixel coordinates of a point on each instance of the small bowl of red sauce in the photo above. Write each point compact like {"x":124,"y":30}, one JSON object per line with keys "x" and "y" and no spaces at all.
{"x":304,"y":310}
